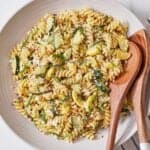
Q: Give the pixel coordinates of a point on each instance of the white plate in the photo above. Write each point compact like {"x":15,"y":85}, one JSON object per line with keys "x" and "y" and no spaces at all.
{"x":14,"y":30}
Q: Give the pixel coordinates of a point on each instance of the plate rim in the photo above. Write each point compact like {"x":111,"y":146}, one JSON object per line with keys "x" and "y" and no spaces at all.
{"x":134,"y":129}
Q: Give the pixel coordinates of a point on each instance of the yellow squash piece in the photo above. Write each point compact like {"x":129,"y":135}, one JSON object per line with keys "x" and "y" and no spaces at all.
{"x":49,"y":73}
{"x":94,"y":50}
{"x":77,"y":100}
{"x":122,"y":55}
{"x":65,"y":108}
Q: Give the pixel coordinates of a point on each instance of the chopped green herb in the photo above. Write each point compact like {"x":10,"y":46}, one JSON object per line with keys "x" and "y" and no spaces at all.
{"x":101,"y":86}
{"x":78,"y":29}
{"x":99,"y":28}
{"x":29,"y":101}
{"x":66,"y":98}
{"x":42,"y":115}
{"x":97,"y":75}
{"x":40,"y":93}
{"x":61,"y":56}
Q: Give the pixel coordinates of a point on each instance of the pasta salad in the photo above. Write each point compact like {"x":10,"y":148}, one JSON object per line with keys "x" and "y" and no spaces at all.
{"x":63,"y":68}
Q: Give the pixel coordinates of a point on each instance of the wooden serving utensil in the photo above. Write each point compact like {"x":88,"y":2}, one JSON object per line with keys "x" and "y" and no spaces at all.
{"x":119,"y":89}
{"x":137,"y":94}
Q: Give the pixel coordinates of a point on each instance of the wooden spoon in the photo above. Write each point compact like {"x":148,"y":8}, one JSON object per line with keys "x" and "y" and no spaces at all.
{"x":137,"y":94}
{"x":119,"y":89}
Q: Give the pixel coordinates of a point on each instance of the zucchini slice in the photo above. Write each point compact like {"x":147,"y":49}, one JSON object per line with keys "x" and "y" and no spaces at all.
{"x":77,"y":122}
{"x":42,"y":115}
{"x":90,"y":102}
{"x":67,"y":54}
{"x":50,"y":23}
{"x":78,"y":36}
{"x":57,"y":38}
{"x":16,"y":65}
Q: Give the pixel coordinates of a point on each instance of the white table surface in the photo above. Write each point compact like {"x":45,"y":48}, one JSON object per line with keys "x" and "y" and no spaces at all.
{"x":8,"y":140}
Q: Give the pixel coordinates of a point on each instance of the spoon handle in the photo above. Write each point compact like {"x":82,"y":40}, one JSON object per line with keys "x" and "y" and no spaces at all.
{"x":113,"y":127}
{"x":140,"y":116}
